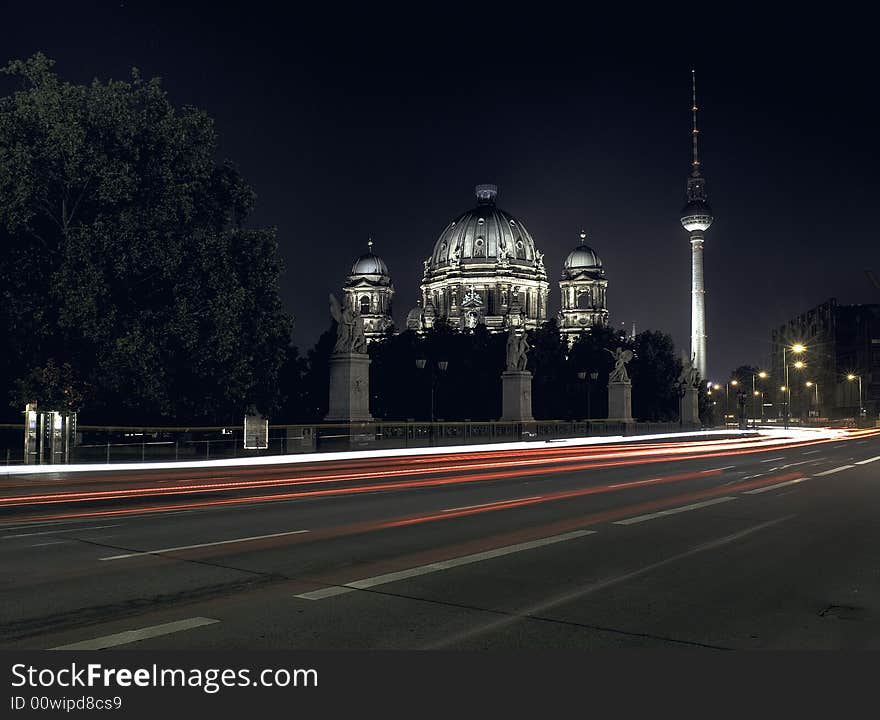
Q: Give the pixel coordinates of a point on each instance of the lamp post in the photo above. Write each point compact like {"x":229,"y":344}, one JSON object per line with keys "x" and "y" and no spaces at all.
{"x":593,"y":376}
{"x":755,"y":393}
{"x":440,"y":365}
{"x":733,"y":382}
{"x":815,"y":386}
{"x":852,"y":377}
{"x":797,"y":349}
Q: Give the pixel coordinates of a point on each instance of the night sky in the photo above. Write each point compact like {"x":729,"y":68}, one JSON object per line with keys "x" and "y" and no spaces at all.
{"x":350,"y":125}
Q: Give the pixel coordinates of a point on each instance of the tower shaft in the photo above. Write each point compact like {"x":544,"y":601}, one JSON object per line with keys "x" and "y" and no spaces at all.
{"x":698,"y":304}
{"x":696,"y":218}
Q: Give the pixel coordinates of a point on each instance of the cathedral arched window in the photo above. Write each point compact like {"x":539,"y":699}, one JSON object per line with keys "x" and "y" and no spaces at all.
{"x":365,"y":304}
{"x":584,"y":300}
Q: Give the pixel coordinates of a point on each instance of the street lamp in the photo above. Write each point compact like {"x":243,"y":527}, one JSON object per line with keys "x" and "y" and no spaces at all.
{"x":756,"y":394}
{"x":852,"y":377}
{"x":582,"y":375}
{"x":797,"y":349}
{"x":440,"y":366}
{"x":815,"y":386}
{"x":763,"y":375}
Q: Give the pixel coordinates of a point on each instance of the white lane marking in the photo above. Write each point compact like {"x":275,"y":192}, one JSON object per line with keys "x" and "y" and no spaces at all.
{"x":673,"y":511}
{"x":598,"y":586}
{"x":834,"y":470}
{"x":811,"y":452}
{"x":636,"y":482}
{"x":869,"y":460}
{"x":201,"y":545}
{"x":497,"y":502}
{"x":54,"y":542}
{"x":726,"y":467}
{"x":439,"y":566}
{"x":773,"y":459}
{"x":760,"y":490}
{"x":788,"y":465}
{"x":838,"y":446}
{"x":862,"y":442}
{"x":130,"y":636}
{"x":56,"y":532}
{"x":749,"y":477}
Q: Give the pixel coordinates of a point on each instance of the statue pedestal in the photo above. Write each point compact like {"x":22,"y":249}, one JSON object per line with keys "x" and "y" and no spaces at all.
{"x":349,"y":388}
{"x":516,"y":395}
{"x":690,"y":408}
{"x":620,"y":402}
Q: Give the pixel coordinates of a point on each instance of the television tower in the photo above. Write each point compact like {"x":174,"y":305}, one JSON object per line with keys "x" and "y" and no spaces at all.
{"x":696,"y":217}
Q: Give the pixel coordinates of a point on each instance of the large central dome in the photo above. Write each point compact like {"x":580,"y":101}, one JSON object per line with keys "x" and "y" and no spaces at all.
{"x":484,"y":269}
{"x":484,"y":234}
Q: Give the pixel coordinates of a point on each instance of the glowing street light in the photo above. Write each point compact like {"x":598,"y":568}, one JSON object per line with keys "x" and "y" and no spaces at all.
{"x":815,"y":386}
{"x":797,"y":349}
{"x":852,"y":377}
{"x":763,"y":375}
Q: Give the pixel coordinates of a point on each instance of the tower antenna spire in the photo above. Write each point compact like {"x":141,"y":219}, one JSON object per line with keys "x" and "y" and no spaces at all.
{"x":695,"y":132}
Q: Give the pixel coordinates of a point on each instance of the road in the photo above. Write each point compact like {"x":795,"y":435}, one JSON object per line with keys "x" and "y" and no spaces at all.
{"x":725,"y":542}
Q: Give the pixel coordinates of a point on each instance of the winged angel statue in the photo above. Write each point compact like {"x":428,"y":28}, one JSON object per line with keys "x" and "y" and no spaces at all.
{"x":621,"y":358}
{"x":349,"y":328}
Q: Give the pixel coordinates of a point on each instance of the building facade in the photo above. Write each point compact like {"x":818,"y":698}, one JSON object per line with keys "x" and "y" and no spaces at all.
{"x":484,"y":269}
{"x":841,"y":342}
{"x":369,"y":290}
{"x":582,"y":290}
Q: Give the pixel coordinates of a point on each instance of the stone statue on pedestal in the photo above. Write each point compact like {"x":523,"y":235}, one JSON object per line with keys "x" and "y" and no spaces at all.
{"x":517,"y":351}
{"x":689,"y":382}
{"x":690,"y":376}
{"x":516,"y":381}
{"x":621,"y":358}
{"x":350,"y":336}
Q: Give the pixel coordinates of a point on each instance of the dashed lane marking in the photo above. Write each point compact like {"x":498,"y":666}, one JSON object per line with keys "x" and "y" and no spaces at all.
{"x":201,"y":545}
{"x":673,"y":511}
{"x":369,"y":582}
{"x":130,"y":636}
{"x":834,"y":470}
{"x":489,"y":504}
{"x":757,"y":491}
{"x":56,"y":532}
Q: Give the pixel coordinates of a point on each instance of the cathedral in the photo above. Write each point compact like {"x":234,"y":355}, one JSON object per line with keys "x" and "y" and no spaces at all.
{"x":484,"y":269}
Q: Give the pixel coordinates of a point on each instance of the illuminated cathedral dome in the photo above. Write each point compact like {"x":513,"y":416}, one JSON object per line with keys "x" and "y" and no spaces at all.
{"x":583,"y":289}
{"x":369,"y":290}
{"x":485,"y":269}
{"x":484,"y":234}
{"x":583,"y":259}
{"x":369,"y":264}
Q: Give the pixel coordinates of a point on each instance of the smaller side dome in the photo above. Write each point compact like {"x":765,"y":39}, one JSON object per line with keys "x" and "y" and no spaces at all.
{"x":369,"y":264}
{"x":583,"y":259}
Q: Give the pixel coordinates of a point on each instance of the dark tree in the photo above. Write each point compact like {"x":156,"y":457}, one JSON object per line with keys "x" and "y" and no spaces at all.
{"x":552,"y":376}
{"x":654,"y":372}
{"x":316,"y":379}
{"x":127,"y":258}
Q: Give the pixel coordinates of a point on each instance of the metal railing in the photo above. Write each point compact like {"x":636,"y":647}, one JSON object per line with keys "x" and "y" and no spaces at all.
{"x":98,"y":444}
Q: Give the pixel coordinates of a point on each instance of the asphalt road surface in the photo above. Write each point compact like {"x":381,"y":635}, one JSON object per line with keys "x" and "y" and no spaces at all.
{"x":748,"y":542}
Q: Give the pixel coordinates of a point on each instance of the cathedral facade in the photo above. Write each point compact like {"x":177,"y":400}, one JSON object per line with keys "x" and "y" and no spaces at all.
{"x":485,"y":269}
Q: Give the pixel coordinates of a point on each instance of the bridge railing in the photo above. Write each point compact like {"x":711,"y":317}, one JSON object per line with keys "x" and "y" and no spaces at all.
{"x":119,"y":444}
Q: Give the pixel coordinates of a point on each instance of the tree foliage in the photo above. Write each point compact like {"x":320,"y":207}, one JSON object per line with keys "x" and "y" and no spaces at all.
{"x":127,"y":257}
{"x":470,"y":387}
